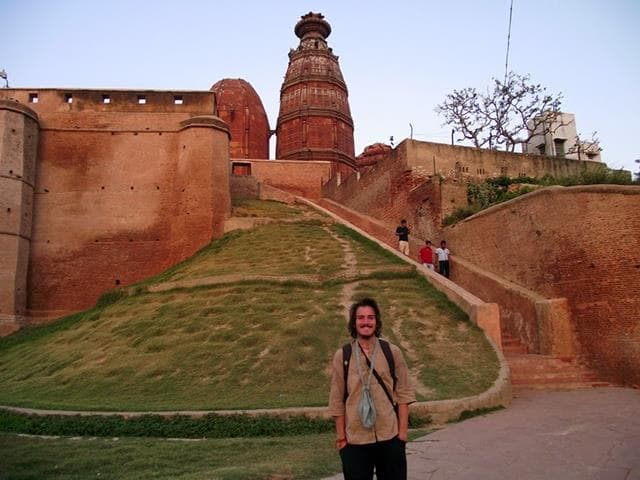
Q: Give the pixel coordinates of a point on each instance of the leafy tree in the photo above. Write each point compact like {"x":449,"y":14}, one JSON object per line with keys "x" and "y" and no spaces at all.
{"x":510,"y":112}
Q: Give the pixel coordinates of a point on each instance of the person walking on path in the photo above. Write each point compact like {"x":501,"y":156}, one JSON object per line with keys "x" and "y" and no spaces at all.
{"x":402,"y":232}
{"x":443,"y":258}
{"x":426,"y":255}
{"x":369,"y":400}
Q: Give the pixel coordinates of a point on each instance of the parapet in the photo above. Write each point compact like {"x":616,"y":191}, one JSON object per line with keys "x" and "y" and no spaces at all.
{"x":60,"y":100}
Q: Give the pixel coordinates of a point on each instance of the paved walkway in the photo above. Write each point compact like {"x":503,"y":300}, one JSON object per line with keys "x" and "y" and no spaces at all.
{"x":567,"y":435}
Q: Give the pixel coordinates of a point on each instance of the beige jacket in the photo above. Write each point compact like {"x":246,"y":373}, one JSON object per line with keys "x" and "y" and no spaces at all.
{"x":386,"y":426}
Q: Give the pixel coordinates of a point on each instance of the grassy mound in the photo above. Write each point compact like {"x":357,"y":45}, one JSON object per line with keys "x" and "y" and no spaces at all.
{"x":221,"y":341}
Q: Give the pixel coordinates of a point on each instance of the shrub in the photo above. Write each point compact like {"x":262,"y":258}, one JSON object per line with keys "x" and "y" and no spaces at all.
{"x":177,"y":426}
{"x":481,"y":195}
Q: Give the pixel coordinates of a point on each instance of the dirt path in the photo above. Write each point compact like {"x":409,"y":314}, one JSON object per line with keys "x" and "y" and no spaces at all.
{"x":411,"y":354}
{"x":350,"y":266}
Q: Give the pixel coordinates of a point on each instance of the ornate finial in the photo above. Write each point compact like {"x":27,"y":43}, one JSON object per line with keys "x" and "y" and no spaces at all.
{"x":312,"y":25}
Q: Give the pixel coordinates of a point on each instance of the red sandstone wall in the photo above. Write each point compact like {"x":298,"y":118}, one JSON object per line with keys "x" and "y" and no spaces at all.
{"x":240,"y":107}
{"x":389,"y":191}
{"x":299,"y":177}
{"x":424,"y":182}
{"x":18,"y":150}
{"x":123,"y":190}
{"x":430,"y":158}
{"x":581,"y":243}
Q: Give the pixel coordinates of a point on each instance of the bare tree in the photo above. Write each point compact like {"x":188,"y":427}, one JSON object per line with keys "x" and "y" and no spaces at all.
{"x":586,"y":148}
{"x":463,"y":110}
{"x":511,"y":112}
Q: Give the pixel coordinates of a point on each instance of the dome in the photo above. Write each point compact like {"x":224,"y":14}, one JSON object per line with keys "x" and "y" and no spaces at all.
{"x":239,"y":105}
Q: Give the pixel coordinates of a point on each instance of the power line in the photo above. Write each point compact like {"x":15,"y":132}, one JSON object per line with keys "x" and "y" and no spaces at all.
{"x":506,"y":61}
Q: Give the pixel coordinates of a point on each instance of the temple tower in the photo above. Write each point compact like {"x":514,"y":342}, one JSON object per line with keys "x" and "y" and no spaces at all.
{"x":315,"y":122}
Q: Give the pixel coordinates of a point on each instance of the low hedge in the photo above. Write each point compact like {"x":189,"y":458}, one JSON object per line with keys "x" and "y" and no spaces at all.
{"x":176,"y":426}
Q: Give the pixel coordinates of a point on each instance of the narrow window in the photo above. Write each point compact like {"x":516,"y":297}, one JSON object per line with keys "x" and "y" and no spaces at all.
{"x":33,"y":98}
{"x":68,"y":98}
{"x":559,"y":144}
{"x":177,"y":99}
{"x":142,"y":99}
{"x":106,"y":99}
{"x":542,"y":149}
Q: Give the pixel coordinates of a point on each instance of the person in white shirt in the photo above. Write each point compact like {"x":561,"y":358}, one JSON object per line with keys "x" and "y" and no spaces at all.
{"x":443,"y":259}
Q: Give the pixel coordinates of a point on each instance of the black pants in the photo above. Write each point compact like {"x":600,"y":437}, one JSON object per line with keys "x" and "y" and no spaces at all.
{"x":388,"y":458}
{"x":443,"y":268}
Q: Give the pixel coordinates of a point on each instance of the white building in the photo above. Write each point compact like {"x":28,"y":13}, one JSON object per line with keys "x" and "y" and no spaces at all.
{"x":559,"y":138}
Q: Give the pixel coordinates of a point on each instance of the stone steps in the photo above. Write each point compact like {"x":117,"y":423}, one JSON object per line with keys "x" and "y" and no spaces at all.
{"x":533,"y":371}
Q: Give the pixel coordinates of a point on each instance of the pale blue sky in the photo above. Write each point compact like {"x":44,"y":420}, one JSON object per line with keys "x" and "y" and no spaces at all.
{"x":399,"y":58}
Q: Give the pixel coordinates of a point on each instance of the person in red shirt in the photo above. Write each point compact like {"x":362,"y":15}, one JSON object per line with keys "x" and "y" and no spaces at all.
{"x":426,"y":255}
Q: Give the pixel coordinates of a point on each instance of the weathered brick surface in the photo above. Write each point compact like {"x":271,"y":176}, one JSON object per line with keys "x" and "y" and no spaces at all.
{"x":390,"y":191}
{"x":244,"y":186}
{"x":456,"y":161}
{"x":314,"y":122}
{"x":18,"y":152}
{"x":299,"y":177}
{"x":580,"y":243}
{"x":240,"y":107}
{"x":122,"y":191}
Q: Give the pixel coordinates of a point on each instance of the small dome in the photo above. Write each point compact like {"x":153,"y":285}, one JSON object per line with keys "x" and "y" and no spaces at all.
{"x":372,"y":154}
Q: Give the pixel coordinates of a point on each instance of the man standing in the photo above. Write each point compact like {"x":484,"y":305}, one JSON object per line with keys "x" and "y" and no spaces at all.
{"x":426,"y":255}
{"x":443,"y":258}
{"x":402,"y":232}
{"x":369,"y":400}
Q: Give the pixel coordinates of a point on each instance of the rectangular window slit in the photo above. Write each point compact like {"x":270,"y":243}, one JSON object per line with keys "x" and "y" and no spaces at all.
{"x":106,"y":99}
{"x":177,"y":100}
{"x":68,"y":98}
{"x":142,"y":99}
{"x":33,"y":98}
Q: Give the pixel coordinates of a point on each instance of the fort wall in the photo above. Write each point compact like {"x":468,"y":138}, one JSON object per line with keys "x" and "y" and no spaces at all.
{"x":577,"y":243}
{"x":18,"y":150}
{"x":423,"y":182}
{"x":127,"y":184}
{"x":299,"y":177}
{"x":428,"y":158}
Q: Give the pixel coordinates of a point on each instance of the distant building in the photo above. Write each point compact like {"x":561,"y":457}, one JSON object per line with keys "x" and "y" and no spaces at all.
{"x":559,"y":138}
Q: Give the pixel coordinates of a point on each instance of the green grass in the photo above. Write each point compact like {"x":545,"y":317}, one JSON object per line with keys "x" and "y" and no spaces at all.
{"x":273,"y":249}
{"x":449,"y":355}
{"x":285,"y":458}
{"x":245,"y":344}
{"x":248,"y":207}
{"x":299,"y":457}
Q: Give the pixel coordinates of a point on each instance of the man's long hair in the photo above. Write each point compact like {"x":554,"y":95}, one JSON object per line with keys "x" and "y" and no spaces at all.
{"x":365,"y":302}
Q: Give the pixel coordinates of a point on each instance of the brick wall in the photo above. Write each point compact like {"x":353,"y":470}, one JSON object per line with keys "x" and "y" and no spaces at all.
{"x":19,"y":129}
{"x":122,"y":190}
{"x":299,"y":177}
{"x":579,"y":243}
{"x":430,"y":158}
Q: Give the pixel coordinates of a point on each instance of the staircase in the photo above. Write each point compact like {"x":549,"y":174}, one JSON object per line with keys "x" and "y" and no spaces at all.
{"x":546,"y":372}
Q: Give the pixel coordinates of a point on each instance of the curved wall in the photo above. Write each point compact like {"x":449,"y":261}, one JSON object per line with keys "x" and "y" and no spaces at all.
{"x":18,"y":150}
{"x":580,"y":243}
{"x":240,"y":107}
